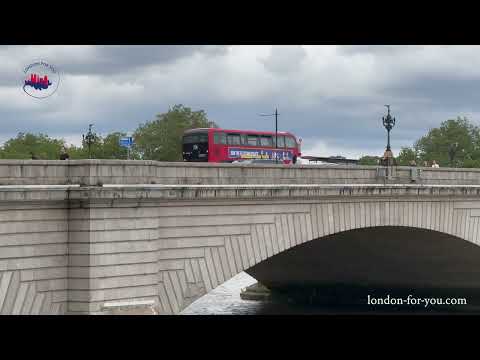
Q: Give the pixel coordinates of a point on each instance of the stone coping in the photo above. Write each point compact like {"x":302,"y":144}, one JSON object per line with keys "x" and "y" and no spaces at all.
{"x":134,"y":187}
{"x":282,"y":186}
{"x":107,"y":162}
{"x":228,"y":186}
{"x":230,"y":192}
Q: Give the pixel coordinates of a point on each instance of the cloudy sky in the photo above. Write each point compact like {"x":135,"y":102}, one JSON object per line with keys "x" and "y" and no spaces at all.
{"x":330,"y":96}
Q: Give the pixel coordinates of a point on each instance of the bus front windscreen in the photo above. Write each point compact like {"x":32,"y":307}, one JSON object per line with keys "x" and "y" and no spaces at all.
{"x":195,"y":147}
{"x":195,"y":139}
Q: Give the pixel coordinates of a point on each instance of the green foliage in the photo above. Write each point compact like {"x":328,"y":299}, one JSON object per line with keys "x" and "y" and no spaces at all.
{"x":454,"y":143}
{"x":45,"y":148}
{"x":26,"y":145}
{"x":368,"y":160}
{"x":112,"y":148}
{"x":161,"y":139}
{"x":470,"y":163}
{"x":406,"y":155}
{"x":96,"y":149}
{"x":76,"y":153}
{"x":101,"y":148}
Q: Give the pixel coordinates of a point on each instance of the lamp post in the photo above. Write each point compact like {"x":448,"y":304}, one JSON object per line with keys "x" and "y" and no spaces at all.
{"x":388,"y":123}
{"x":276,"y":132}
{"x":452,"y":150}
{"x":388,"y":159}
{"x":89,"y":138}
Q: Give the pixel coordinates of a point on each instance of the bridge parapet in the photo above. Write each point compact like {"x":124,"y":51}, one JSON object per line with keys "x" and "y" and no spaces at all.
{"x":99,"y":172}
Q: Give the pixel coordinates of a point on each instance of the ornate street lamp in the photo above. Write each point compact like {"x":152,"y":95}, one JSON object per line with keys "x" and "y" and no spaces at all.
{"x":452,"y":151}
{"x":388,"y":123}
{"x":89,"y":138}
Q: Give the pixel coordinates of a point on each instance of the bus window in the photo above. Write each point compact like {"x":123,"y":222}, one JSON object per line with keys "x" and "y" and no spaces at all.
{"x":233,"y":139}
{"x":189,"y":139}
{"x":195,"y":139}
{"x":220,"y":138}
{"x":252,"y":140}
{"x":266,"y":140}
{"x":290,"y":142}
{"x":280,"y":141}
{"x":243,"y":139}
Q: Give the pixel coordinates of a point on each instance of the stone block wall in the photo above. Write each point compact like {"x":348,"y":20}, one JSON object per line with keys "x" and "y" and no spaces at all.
{"x":33,"y":257}
{"x":99,"y":172}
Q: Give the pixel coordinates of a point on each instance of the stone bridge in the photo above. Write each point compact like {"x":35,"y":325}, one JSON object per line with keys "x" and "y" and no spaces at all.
{"x":99,"y":237}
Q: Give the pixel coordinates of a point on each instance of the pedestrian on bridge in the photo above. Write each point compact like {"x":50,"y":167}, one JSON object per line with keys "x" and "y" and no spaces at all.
{"x":64,"y":154}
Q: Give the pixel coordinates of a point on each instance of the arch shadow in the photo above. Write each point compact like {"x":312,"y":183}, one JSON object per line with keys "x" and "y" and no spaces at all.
{"x":381,"y":260}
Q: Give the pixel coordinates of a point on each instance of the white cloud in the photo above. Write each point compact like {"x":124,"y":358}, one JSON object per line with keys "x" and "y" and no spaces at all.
{"x":325,"y":148}
{"x":72,"y":139}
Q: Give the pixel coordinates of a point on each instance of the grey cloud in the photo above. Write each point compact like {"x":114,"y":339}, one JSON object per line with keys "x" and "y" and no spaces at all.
{"x":116,"y":59}
{"x":376,"y":49}
{"x":11,"y":78}
{"x":109,"y":60}
{"x":443,"y":91}
{"x":284,"y":59}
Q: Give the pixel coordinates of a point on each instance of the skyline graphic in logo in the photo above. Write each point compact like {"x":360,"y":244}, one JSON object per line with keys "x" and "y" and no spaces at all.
{"x":41,"y":80}
{"x":38,"y":82}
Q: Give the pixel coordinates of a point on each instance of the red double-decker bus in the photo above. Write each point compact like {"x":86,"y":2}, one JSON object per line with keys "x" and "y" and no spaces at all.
{"x":221,"y":145}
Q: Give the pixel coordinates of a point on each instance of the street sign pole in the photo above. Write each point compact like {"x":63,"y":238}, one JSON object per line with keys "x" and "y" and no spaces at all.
{"x":126,"y":142}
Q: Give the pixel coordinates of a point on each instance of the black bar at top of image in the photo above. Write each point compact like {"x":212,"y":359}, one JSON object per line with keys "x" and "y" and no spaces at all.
{"x":241,"y":23}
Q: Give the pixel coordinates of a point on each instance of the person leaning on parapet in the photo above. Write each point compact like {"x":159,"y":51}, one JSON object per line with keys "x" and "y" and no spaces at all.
{"x":425,"y":163}
{"x":434,"y":164}
{"x":64,"y":155}
{"x":413,"y":163}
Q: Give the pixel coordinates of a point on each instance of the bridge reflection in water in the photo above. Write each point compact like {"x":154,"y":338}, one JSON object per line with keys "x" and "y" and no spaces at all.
{"x":225,"y":300}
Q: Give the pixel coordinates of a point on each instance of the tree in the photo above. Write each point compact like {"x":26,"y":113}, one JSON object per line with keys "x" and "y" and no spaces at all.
{"x":27,"y":144}
{"x":112,"y":148}
{"x":101,"y":148}
{"x":471,"y":163}
{"x":82,"y":152}
{"x":368,"y":160}
{"x":406,"y":155}
{"x":454,"y":143}
{"x":161,"y":139}
{"x":76,"y":153}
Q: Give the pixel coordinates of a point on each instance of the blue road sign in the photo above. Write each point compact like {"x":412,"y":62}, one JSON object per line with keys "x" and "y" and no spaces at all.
{"x":126,"y":141}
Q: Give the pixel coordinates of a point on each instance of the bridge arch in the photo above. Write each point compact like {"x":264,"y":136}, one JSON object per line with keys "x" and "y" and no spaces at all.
{"x":287,"y":225}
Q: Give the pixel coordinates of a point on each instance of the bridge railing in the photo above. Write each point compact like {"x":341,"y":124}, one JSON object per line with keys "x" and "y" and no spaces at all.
{"x":99,"y":172}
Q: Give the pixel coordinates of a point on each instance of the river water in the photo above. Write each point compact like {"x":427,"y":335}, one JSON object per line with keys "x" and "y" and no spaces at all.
{"x":225,"y":300}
